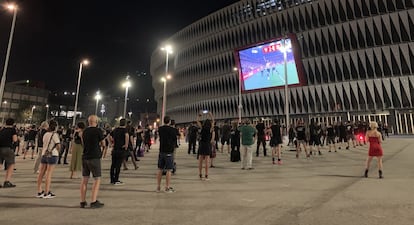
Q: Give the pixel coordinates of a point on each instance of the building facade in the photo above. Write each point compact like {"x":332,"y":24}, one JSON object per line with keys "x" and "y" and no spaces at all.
{"x":357,"y":55}
{"x":24,"y":103}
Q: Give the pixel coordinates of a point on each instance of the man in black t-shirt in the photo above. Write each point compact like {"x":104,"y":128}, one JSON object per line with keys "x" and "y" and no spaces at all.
{"x":66,"y":138}
{"x":330,"y":133}
{"x":261,"y":139}
{"x":225,"y":136}
{"x":8,"y":136}
{"x":301,"y":138}
{"x":131,"y":132}
{"x":192,"y":138}
{"x":168,"y":140}
{"x":120,"y":138}
{"x":93,"y":139}
{"x":342,"y":134}
{"x":30,"y":143}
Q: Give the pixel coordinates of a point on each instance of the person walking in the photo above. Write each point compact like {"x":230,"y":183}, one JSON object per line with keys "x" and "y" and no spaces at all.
{"x":374,"y":138}
{"x":248,"y":137}
{"x":130,"y":153}
{"x":138,"y":141}
{"x":168,"y":141}
{"x":8,"y":136}
{"x":93,"y":139}
{"x":50,"y":155}
{"x":76,"y":149}
{"x":120,"y":138}
{"x":315,"y":131}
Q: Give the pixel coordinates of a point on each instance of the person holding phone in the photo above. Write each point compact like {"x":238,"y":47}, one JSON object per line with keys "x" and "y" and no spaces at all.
{"x":205,"y":142}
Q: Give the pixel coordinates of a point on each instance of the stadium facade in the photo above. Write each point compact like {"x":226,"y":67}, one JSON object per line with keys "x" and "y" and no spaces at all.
{"x":357,"y":56}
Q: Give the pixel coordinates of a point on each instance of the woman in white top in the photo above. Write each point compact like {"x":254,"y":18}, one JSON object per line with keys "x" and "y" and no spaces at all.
{"x":50,"y":155}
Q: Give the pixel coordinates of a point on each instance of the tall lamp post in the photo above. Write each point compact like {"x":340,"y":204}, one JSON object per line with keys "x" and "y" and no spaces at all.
{"x":285,"y":49}
{"x":240,"y":106}
{"x":84,"y":62}
{"x":47,"y":112}
{"x":164,"y":98}
{"x":6,"y":62}
{"x":4,"y":104}
{"x":168,"y":50}
{"x":31,"y":114}
{"x":126,"y":85}
{"x":97,"y":98}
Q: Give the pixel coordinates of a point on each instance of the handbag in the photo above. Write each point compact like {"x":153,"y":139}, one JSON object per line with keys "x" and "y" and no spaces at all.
{"x":48,"y":153}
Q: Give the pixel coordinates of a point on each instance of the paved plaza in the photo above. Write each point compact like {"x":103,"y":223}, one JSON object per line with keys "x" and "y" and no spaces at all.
{"x":322,"y":190}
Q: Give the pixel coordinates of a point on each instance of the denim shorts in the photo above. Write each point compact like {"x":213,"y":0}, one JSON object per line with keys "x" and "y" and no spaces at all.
{"x":165,"y":161}
{"x":49,"y":160}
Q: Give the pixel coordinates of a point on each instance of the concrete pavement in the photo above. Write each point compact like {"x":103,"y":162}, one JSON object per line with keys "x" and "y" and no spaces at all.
{"x":327,"y":189}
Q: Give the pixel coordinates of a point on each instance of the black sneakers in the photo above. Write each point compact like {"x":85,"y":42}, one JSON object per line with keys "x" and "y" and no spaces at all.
{"x":8,"y":184}
{"x":97,"y":204}
{"x":83,"y":204}
{"x":49,"y":195}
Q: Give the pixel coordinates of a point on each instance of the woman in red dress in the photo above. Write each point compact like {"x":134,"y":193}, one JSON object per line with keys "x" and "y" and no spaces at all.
{"x":374,"y":138}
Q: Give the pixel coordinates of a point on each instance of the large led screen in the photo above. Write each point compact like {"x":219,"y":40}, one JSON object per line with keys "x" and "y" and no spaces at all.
{"x":263,"y":66}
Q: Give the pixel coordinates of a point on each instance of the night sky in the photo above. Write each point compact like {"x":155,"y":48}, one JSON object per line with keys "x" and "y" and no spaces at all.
{"x":118,"y":37}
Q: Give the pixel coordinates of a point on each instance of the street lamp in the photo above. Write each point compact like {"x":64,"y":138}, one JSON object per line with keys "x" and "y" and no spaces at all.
{"x":2,"y":120}
{"x":102,"y":110}
{"x":240,"y":106}
{"x":13,"y":8}
{"x":168,"y":50}
{"x":97,"y":98}
{"x":285,"y":49}
{"x":164,"y":98}
{"x":31,"y":114}
{"x":47,"y":112}
{"x":84,"y":62}
{"x":126,"y":85}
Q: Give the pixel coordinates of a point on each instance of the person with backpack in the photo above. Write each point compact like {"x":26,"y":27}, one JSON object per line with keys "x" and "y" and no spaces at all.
{"x":8,"y":136}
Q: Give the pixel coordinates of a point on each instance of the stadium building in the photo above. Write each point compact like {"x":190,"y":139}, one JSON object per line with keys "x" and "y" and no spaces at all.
{"x":354,"y":61}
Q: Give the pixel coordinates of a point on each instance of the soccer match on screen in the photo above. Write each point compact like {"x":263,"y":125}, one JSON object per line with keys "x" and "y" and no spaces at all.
{"x":263,"y":66}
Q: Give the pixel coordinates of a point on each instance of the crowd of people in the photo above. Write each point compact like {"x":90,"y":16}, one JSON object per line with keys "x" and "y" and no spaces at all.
{"x":88,"y":144}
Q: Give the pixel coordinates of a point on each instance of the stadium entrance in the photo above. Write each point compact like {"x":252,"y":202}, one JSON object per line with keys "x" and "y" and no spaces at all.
{"x":404,"y":122}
